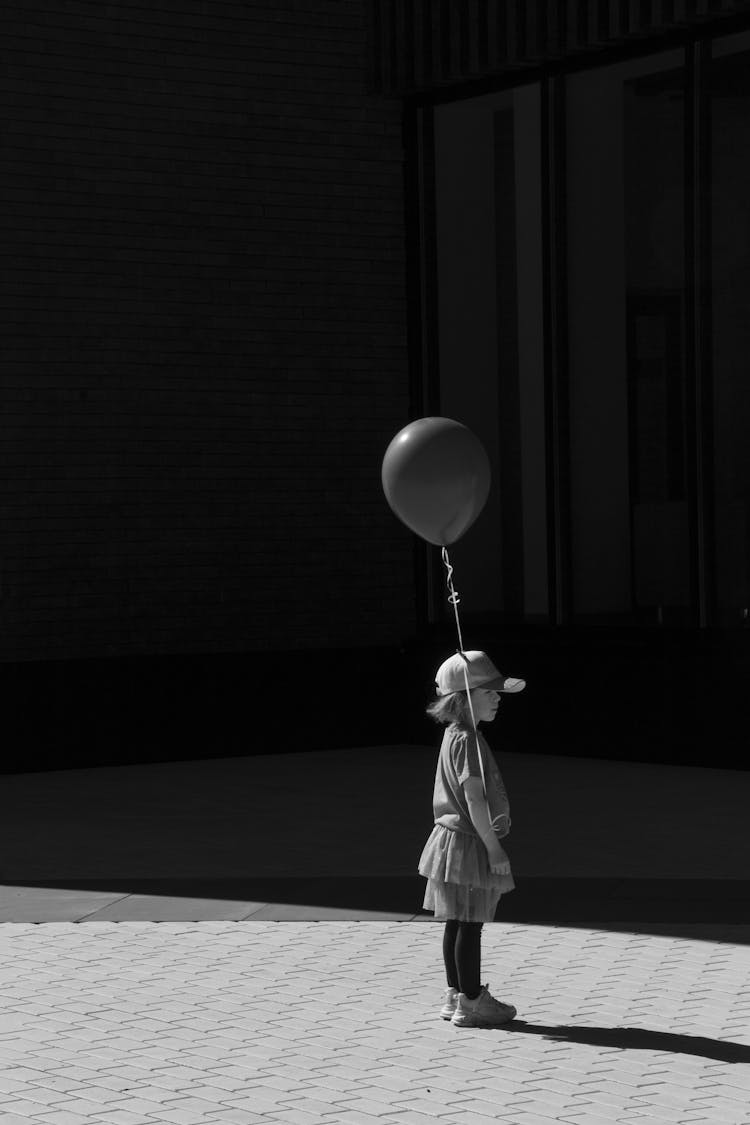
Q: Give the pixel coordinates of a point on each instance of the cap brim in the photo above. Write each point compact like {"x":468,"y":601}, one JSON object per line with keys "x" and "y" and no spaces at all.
{"x":507,"y":685}
{"x":513,"y":685}
{"x":501,"y":683}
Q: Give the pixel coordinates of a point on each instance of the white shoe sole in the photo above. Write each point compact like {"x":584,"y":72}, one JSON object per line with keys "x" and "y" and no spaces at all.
{"x":472,"y":1020}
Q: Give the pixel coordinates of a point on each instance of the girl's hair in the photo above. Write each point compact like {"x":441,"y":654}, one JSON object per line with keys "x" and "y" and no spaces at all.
{"x":453,"y":708}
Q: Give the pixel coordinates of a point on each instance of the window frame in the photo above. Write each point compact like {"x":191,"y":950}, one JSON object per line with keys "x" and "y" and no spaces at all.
{"x":419,"y":115}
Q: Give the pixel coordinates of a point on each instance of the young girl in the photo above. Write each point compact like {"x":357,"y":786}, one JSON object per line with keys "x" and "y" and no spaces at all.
{"x":466,"y":868}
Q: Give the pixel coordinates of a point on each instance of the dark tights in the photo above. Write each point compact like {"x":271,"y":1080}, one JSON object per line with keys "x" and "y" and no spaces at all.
{"x":462,"y":953}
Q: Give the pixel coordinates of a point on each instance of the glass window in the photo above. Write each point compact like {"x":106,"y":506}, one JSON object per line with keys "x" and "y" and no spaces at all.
{"x":490,"y":326}
{"x":729,"y":108}
{"x":629,"y":513}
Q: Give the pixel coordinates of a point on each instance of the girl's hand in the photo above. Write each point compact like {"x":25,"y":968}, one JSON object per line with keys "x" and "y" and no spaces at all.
{"x":498,"y":867}
{"x":497,"y":860}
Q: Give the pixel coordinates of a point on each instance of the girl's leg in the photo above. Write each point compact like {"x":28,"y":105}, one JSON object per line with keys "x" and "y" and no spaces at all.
{"x":468,"y":955}
{"x":449,"y":953}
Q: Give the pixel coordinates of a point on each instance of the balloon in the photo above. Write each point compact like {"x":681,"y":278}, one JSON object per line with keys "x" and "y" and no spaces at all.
{"x":436,"y":478}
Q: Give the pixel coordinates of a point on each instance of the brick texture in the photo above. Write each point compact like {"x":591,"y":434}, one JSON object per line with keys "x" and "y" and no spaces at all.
{"x":203,"y":330}
{"x":137,"y":1023}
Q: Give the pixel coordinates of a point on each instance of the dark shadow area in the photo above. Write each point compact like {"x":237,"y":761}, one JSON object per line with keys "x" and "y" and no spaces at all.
{"x":148,"y":709}
{"x":610,"y":903}
{"x":637,"y":1039}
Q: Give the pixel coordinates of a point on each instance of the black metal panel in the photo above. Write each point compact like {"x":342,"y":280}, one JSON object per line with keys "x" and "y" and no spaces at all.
{"x":419,"y":45}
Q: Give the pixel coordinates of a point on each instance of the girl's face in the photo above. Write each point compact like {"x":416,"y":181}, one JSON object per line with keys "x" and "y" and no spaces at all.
{"x":485,"y":704}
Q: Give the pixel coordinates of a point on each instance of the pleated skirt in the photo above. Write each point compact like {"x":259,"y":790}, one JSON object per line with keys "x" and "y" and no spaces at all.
{"x":460,"y":884}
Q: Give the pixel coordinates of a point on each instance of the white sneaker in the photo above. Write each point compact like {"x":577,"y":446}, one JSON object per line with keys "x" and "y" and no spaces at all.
{"x":485,"y":1011}
{"x":451,"y":1000}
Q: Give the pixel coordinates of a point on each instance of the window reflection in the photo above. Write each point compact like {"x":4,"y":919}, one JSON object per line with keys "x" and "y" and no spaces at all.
{"x":491,"y":339}
{"x":630,"y":547}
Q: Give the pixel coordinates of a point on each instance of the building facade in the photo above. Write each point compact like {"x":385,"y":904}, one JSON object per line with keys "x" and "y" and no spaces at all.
{"x":246,"y":244}
{"x":580,"y":280}
{"x":204,"y":356}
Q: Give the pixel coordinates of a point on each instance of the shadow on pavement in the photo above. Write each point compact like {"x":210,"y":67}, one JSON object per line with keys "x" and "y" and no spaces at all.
{"x":607,"y":902}
{"x":637,"y":1039}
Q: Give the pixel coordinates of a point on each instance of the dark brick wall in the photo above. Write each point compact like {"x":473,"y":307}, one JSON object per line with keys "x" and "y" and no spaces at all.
{"x":203,"y":330}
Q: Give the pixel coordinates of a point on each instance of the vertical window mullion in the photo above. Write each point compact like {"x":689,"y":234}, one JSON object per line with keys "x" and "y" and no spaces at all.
{"x":429,"y":404}
{"x":414,"y":196}
{"x":704,"y":385}
{"x":697,"y":323}
{"x":555,"y":347}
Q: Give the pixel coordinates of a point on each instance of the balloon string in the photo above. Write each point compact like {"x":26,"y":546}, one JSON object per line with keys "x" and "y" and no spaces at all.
{"x":454,"y":599}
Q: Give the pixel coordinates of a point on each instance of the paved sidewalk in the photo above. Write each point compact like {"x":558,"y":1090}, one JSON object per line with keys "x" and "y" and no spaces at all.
{"x":133,"y":1023}
{"x":186,"y":995}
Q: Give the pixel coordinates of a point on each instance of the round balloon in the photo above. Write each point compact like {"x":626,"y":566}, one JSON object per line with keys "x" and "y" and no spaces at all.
{"x":436,"y":478}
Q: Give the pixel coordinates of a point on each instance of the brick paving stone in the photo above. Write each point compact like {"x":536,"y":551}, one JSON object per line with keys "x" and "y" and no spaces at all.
{"x":82,"y":1106}
{"x":679,"y":1100}
{"x":662,"y":1112}
{"x":10,"y":1118}
{"x":258,"y":1098}
{"x":134,"y":1076}
{"x":296,"y":1117}
{"x":483,"y":1108}
{"x":447,"y":1093}
{"x":375,"y":1107}
{"x":588,"y":1119}
{"x":113,"y":1082}
{"x":430,"y":1107}
{"x":180,"y":1117}
{"x":717,"y":1102}
{"x":413,"y":1117}
{"x":448,"y":1085}
{"x":732,"y":1091}
{"x":548,"y":1086}
{"x":355,"y":1117}
{"x":554,"y":1105}
{"x":235,"y":1117}
{"x":77,"y":1074}
{"x":187,"y":1074}
{"x":316,"y":1103}
{"x":24,"y":1107}
{"x":227,"y":1084}
{"x":102,"y":1096}
{"x":358,"y":1067}
{"x":612,"y":1096}
{"x":713,"y":1117}
{"x":27,"y":1074}
{"x":296,"y":1072}
{"x":62,"y":1117}
{"x":11,"y":1085}
{"x":376,"y":1094}
{"x":114,"y":1116}
{"x":558,"y":1109}
{"x":190,"y":1104}
{"x":527,"y":1117}
{"x":389,"y":1081}
{"x":144,"y":1106}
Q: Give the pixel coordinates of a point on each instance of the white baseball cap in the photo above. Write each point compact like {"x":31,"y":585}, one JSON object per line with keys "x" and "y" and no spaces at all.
{"x":481,"y":672}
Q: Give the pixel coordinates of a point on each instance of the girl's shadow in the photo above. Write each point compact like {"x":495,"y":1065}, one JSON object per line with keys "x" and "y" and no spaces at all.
{"x":637,"y":1038}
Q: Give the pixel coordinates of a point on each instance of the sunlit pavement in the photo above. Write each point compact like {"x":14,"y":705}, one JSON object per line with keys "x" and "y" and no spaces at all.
{"x":242,"y":941}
